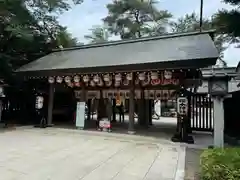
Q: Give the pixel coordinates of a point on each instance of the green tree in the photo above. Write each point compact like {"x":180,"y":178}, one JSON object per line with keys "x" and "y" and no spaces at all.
{"x":227,"y":22}
{"x":28,"y":30}
{"x":191,"y":23}
{"x":136,"y":18}
{"x":99,"y":34}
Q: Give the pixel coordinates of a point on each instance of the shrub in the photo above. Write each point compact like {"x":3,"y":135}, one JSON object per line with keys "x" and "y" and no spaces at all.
{"x":220,"y":164}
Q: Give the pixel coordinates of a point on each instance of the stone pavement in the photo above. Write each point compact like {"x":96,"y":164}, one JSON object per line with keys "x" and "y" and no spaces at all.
{"x":53,"y":154}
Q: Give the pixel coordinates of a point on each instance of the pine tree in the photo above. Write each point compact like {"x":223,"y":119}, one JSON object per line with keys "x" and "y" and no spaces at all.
{"x":136,"y":18}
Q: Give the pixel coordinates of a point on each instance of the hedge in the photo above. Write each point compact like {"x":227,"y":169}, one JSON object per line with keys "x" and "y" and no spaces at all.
{"x":220,"y":164}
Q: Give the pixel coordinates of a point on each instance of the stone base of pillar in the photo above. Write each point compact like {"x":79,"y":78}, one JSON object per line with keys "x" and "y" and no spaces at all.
{"x":50,"y":125}
{"x":131,"y":132}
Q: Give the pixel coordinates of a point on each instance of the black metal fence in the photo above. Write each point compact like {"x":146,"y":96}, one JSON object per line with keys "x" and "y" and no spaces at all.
{"x":201,"y":113}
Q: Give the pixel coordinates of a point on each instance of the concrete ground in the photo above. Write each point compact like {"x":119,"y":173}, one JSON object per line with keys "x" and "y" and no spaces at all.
{"x":61,"y":154}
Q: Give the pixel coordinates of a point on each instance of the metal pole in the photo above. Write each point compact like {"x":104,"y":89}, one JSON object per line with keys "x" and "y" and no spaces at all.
{"x":201,"y":15}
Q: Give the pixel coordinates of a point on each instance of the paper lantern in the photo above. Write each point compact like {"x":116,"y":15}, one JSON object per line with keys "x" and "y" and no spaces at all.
{"x":118,"y":77}
{"x":129,"y":76}
{"x":142,"y":76}
{"x":51,"y":80}
{"x":106,"y":77}
{"x":96,"y":78}
{"x":85,"y":78}
{"x":76,"y":79}
{"x":167,"y":74}
{"x":67,"y":79}
{"x":154,"y":75}
{"x":92,"y":83}
{"x":59,"y":79}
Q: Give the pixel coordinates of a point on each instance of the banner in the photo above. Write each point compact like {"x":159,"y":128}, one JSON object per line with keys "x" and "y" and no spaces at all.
{"x":80,"y":115}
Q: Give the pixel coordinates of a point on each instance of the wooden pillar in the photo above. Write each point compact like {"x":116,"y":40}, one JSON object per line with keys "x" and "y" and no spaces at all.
{"x":146,"y":111}
{"x":50,"y":104}
{"x":131,"y":106}
{"x":150,"y":106}
{"x":89,"y":105}
{"x":141,"y":110}
{"x":101,"y":107}
{"x":114,"y":110}
{"x":83,"y":95}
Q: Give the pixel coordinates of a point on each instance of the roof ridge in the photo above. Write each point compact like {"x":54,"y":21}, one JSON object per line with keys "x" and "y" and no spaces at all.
{"x":118,"y":42}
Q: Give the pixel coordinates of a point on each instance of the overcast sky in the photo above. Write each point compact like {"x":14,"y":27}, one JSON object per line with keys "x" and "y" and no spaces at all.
{"x":82,"y":17}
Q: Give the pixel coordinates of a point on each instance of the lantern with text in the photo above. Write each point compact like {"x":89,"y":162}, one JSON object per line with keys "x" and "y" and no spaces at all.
{"x":76,"y":79}
{"x":182,"y":106}
{"x":118,"y":77}
{"x":67,"y":79}
{"x":129,"y":76}
{"x":59,"y":79}
{"x":51,"y":80}
{"x":142,"y":76}
{"x":85,"y":78}
{"x":96,"y":78}
{"x":167,"y":74}
{"x":106,"y":77}
{"x":39,"y":102}
{"x":92,"y":83}
{"x":154,"y":75}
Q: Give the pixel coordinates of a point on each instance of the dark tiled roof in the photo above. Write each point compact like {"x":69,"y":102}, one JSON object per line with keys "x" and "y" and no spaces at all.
{"x":169,"y":49}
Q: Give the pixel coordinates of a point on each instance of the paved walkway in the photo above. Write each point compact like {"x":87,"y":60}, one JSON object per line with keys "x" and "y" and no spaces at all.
{"x":53,"y":154}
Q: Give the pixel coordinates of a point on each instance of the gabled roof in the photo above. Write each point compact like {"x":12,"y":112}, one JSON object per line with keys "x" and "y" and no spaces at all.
{"x":185,"y":50}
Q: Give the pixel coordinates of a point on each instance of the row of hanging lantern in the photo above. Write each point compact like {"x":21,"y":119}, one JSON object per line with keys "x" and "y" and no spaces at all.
{"x":107,"y":79}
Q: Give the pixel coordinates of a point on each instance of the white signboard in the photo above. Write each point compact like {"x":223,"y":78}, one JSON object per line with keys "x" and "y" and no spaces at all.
{"x":80,"y":115}
{"x":182,"y":105}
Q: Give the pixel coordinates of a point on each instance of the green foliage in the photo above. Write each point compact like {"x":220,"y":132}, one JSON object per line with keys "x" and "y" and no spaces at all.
{"x":29,"y":29}
{"x":228,"y":21}
{"x":136,"y":18}
{"x":189,"y":23}
{"x":220,"y":164}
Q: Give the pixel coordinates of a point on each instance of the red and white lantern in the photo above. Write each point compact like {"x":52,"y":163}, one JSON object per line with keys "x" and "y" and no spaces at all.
{"x":76,"y":79}
{"x":51,"y":80}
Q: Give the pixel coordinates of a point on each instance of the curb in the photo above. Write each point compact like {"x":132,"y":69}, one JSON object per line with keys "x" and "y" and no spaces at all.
{"x":180,"y":172}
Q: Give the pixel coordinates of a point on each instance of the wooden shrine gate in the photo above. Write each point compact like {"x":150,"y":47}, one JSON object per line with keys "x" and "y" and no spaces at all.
{"x":201,"y":109}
